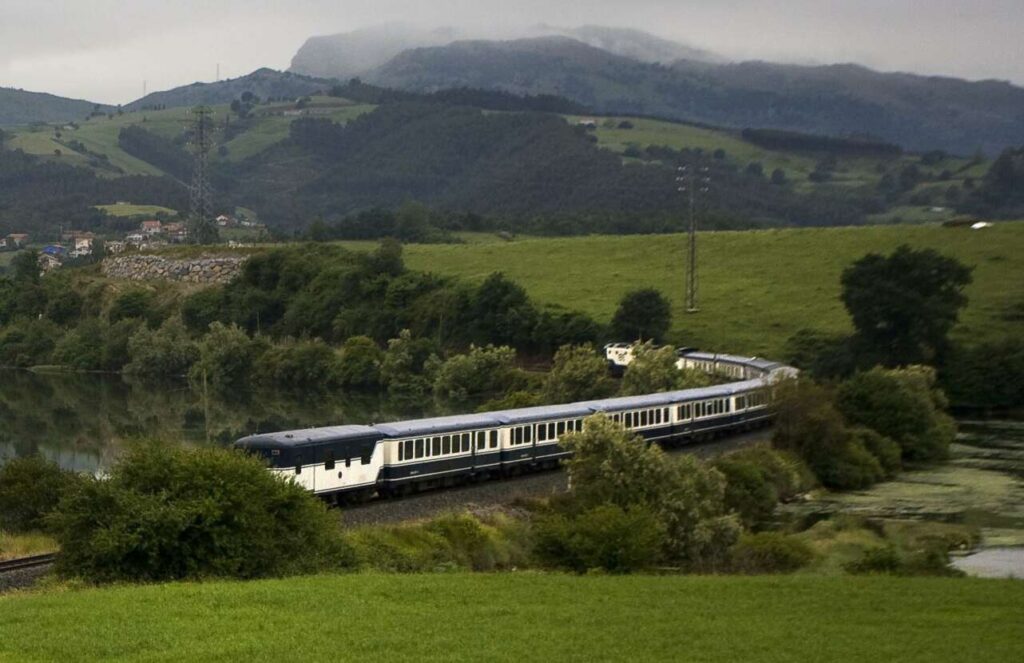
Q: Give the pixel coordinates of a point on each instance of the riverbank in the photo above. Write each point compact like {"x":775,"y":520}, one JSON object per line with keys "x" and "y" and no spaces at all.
{"x":524,"y":616}
{"x":980,"y":488}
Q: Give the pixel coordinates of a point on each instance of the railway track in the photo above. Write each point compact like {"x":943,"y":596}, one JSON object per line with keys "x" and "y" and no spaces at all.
{"x":22,"y":563}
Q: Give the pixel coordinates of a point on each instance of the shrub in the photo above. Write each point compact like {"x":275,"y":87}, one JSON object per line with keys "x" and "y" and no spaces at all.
{"x":579,"y":373}
{"x":360,"y":362}
{"x":748,"y":492}
{"x":903,"y":405}
{"x":476,"y":375}
{"x":769,"y":552}
{"x":606,"y":537}
{"x":135,"y":303}
{"x":170,"y":513}
{"x":165,"y":352}
{"x":201,"y":309}
{"x":28,"y":343}
{"x":81,"y":348}
{"x":306,"y":364}
{"x":30,"y":488}
{"x":226,"y":357}
{"x":654,"y":369}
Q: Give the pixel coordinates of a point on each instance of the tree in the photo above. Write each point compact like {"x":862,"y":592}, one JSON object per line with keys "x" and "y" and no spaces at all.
{"x":903,"y":405}
{"x":904,"y":305}
{"x":642,"y":315}
{"x":778,"y":177}
{"x":166,"y":352}
{"x":25,"y":266}
{"x":406,"y":367}
{"x":502,"y":313}
{"x":360,"y":363}
{"x":30,"y":488}
{"x":226,"y":357}
{"x":609,"y":466}
{"x":479,"y":374}
{"x":655,"y":369}
{"x":579,"y":373}
{"x":171,"y":513}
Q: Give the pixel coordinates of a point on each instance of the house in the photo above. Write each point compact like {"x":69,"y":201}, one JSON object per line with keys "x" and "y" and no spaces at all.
{"x":176,"y":232}
{"x":3,"y":243}
{"x":55,"y":250}
{"x":83,"y":246}
{"x":225,"y":221}
{"x":152,"y":227}
{"x":587,"y":123}
{"x":73,"y":235}
{"x":17,"y":240}
{"x":136,"y":238}
{"x":47,"y":262}
{"x":115,"y":247}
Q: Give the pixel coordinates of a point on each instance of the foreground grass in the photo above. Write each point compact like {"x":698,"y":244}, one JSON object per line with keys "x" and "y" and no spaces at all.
{"x":524,"y":617}
{"x":756,"y":288}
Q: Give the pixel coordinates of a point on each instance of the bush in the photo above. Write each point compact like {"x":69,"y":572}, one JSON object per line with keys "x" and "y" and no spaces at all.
{"x":170,"y":513}
{"x":474,"y":376}
{"x":201,"y":309}
{"x":579,"y":373}
{"x":448,"y":542}
{"x":226,"y":357}
{"x":654,"y":370}
{"x":748,"y":492}
{"x":30,"y":488}
{"x":360,"y":362}
{"x":903,"y":405}
{"x":643,"y":315}
{"x":82,"y":347}
{"x":165,"y":352}
{"x":769,"y":552}
{"x":307,"y":364}
{"x":135,"y":303}
{"x":28,"y":343}
{"x":606,"y":537}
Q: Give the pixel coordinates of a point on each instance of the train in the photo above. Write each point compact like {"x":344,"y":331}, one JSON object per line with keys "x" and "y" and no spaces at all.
{"x":360,"y":462}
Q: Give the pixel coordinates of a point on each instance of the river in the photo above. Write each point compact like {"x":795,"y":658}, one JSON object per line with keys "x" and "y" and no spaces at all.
{"x":84,"y":421}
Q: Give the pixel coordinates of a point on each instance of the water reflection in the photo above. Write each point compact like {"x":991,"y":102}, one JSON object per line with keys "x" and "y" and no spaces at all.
{"x":84,"y":421}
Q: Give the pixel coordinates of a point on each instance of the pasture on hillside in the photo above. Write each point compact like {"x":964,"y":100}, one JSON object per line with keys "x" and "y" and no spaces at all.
{"x":757,"y":288}
{"x":524,"y":617}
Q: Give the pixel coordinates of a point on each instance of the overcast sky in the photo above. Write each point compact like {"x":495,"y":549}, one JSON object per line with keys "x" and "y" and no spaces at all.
{"x":103,"y":50}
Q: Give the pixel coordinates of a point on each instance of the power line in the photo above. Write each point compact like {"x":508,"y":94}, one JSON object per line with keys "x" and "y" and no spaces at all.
{"x":695,"y":183}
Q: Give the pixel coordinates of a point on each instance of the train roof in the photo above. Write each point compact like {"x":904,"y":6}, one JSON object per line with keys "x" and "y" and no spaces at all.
{"x":309,"y":436}
{"x":526,"y":415}
{"x":755,"y":362}
{"x":434,"y":425}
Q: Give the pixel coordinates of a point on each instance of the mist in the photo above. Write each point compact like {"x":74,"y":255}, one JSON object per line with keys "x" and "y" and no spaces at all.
{"x":111,"y":50}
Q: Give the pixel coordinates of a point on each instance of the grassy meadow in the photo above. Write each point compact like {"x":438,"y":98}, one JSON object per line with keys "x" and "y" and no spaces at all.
{"x":757,"y":288}
{"x":520,"y":617}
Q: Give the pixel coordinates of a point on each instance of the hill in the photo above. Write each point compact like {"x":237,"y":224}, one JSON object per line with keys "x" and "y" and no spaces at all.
{"x":757,"y":288}
{"x":18,"y":107}
{"x":359,"y":52}
{"x":916,"y":112}
{"x":515,"y":616}
{"x":263,"y":83}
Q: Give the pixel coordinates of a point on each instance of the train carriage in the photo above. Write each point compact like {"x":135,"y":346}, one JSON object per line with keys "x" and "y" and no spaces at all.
{"x":423,"y":453}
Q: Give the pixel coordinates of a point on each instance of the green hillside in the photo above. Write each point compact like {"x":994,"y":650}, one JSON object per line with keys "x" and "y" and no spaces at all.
{"x":757,"y":288}
{"x":99,"y":134}
{"x":519,"y":617}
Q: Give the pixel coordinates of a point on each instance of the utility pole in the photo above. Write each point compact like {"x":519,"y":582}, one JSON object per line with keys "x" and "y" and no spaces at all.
{"x":693,"y":183}
{"x":201,"y":226}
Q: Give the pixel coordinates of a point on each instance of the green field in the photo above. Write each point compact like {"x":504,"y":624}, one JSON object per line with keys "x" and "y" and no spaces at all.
{"x":128,"y":209}
{"x":756,"y":287}
{"x":269,"y":130}
{"x":524,"y":617}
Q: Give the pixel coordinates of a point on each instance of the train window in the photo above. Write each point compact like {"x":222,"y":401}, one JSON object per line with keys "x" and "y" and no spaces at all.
{"x":517,"y":435}
{"x":419,"y":448}
{"x":481,"y":440}
{"x":408,"y":449}
{"x":528,"y":435}
{"x":446,"y":445}
{"x":436,"y":444}
{"x":494,"y":439}
{"x":348,"y":462}
{"x":401,"y":452}
{"x":366,"y":456}
{"x":329,"y":460}
{"x":617,"y":418}
{"x":466,"y":443}
{"x":629,"y":419}
{"x":643,"y":418}
{"x":561,"y":428}
{"x":665,"y":416}
{"x":551,"y":431}
{"x":298,"y":464}
{"x":542,"y":433}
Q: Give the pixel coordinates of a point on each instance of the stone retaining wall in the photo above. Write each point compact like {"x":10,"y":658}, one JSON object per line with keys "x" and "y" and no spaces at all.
{"x":204,"y":269}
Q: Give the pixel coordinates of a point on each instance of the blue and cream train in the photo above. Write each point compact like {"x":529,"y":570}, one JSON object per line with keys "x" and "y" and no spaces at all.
{"x":403,"y":456}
